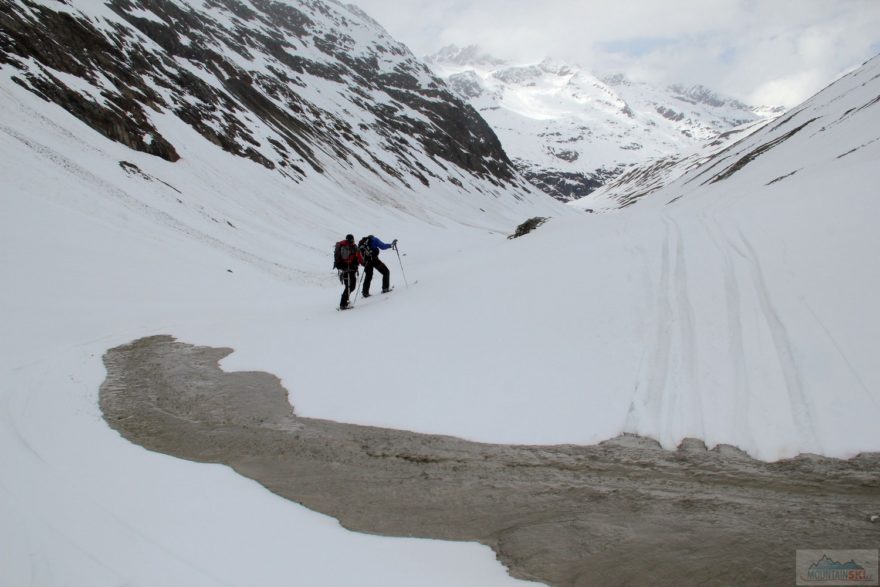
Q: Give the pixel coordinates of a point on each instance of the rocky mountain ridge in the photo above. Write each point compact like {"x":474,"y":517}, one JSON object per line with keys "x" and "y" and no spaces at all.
{"x":293,"y":86}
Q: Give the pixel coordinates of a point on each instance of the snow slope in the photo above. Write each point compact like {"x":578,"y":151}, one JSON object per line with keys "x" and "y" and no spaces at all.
{"x":766,"y":267}
{"x":214,"y":249}
{"x":741,"y":312}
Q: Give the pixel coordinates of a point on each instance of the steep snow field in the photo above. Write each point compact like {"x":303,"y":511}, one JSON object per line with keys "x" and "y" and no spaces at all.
{"x":741,"y":313}
{"x":94,"y":257}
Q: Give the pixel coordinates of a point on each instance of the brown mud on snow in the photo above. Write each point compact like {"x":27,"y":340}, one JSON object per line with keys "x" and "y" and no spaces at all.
{"x":624,"y":512}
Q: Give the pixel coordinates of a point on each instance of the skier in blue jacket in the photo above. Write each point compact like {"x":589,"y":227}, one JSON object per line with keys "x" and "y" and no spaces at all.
{"x":369,"y":247}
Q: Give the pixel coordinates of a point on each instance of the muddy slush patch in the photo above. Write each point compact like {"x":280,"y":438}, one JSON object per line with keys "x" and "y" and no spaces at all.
{"x":623,"y":512}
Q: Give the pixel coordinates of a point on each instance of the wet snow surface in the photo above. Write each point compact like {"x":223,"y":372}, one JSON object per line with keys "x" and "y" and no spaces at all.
{"x":563,"y":515}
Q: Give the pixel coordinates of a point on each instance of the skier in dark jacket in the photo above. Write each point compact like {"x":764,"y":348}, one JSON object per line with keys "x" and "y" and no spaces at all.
{"x":369,"y":247}
{"x":346,"y":259}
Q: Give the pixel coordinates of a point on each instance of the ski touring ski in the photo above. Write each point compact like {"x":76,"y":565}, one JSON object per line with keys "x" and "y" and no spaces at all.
{"x":365,"y":299}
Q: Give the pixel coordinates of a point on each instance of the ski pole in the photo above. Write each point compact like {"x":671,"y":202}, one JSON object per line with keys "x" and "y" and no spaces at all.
{"x":402,"y":272}
{"x":358,"y":289}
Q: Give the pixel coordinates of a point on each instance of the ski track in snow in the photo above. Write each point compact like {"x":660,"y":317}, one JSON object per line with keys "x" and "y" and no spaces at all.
{"x":671,"y":394}
{"x":648,"y":399}
{"x":95,"y":510}
{"x":11,"y":426}
{"x":736,"y":350}
{"x":842,"y":355}
{"x":800,"y":406}
{"x":687,"y":334}
{"x":669,"y":386}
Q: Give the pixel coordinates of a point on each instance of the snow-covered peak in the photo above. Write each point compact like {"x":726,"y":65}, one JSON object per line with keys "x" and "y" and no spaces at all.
{"x":570,"y":131}
{"x":455,"y":57}
{"x":558,"y":68}
{"x":616,"y":79}
{"x":699,"y":94}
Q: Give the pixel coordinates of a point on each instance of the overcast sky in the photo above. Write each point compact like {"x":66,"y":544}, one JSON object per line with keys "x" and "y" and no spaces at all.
{"x":760,"y":51}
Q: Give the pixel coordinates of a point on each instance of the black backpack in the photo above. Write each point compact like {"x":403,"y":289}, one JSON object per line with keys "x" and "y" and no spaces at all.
{"x":364,"y":247}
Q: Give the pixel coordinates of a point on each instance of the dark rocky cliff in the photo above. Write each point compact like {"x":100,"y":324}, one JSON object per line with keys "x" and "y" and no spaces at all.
{"x":289,"y":85}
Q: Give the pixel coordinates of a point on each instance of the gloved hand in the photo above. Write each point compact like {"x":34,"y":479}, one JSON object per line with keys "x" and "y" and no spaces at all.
{"x":394,"y":243}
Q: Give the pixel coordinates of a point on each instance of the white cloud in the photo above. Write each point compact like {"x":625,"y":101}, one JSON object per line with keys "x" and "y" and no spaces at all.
{"x":757,"y":50}
{"x":787,"y":90}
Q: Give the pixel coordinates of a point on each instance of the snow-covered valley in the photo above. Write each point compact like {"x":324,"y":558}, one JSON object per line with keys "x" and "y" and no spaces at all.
{"x":734,"y":305}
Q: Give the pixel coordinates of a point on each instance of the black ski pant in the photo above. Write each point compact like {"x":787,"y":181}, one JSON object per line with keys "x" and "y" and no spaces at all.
{"x":349,"y":280}
{"x":372,"y":262}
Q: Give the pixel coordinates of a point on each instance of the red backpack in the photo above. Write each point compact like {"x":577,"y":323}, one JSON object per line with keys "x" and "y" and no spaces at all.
{"x":345,"y":255}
